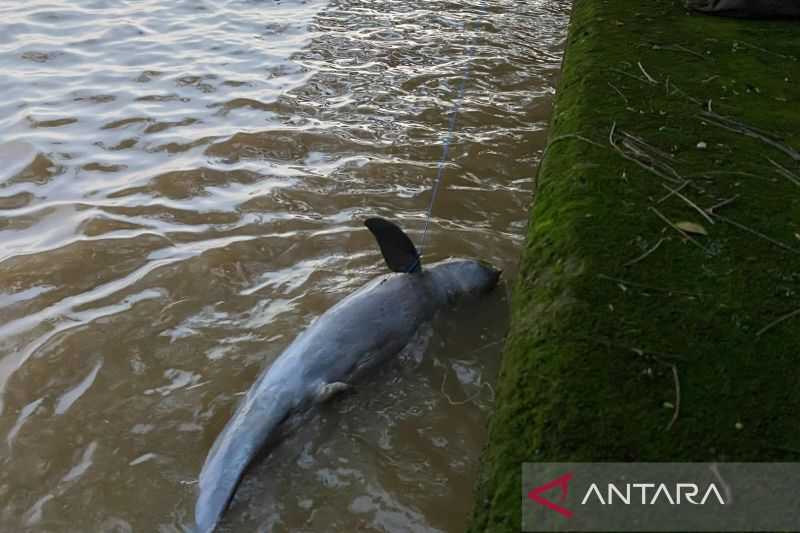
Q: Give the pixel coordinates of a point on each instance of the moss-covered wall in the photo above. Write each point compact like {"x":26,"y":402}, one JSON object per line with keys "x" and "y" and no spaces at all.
{"x":649,"y":324}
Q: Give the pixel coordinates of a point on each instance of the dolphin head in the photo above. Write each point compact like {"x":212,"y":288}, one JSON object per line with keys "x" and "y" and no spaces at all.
{"x":455,"y":279}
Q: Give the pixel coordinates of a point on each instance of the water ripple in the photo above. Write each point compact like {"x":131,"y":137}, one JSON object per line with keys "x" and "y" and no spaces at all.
{"x":182,"y":186}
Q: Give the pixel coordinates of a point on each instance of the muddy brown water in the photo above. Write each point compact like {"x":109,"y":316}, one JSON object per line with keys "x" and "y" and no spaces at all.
{"x":182,"y":190}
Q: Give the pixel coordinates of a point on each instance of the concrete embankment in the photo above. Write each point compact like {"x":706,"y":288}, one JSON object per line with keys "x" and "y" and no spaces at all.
{"x":656,"y":316}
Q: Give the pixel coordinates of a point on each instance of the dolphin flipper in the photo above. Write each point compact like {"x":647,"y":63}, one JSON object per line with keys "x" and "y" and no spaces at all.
{"x":399,"y":252}
{"x":329,"y":390}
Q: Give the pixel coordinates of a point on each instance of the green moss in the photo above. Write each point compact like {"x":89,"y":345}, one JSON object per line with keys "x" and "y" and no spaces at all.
{"x":587,"y":372}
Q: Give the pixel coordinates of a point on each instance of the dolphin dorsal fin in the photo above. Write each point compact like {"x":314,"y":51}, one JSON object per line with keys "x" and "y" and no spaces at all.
{"x":398,"y":251}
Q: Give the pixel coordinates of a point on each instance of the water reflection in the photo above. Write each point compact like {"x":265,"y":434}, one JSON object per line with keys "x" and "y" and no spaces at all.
{"x":182,"y":186}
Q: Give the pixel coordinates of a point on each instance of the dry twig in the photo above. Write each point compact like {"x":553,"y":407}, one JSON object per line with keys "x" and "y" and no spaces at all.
{"x":647,"y":287}
{"x":658,"y":357}
{"x":736,"y":126}
{"x":785,"y":172}
{"x":721,"y":204}
{"x":676,"y":228}
{"x":754,"y":47}
{"x":669,"y":194}
{"x":678,"y":48}
{"x":646,"y":75}
{"x":639,"y":152}
{"x":645,"y":254}
{"x":618,"y":92}
{"x":689,"y":203}
{"x":573,"y":136}
{"x":756,"y":233}
{"x":777,"y":321}
{"x":677,"y":409}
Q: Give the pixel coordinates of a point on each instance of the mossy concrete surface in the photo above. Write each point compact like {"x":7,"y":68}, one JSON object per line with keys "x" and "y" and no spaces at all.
{"x":656,"y":316}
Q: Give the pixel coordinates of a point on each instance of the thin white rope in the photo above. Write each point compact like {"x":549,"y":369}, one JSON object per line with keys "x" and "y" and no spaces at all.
{"x":450,"y":129}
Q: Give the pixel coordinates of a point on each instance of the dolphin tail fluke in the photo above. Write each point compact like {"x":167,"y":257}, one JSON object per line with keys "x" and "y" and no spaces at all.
{"x":233,"y":451}
{"x":399,"y":252}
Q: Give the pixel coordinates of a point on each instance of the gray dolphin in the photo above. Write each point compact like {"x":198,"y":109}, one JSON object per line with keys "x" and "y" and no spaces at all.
{"x":367,"y":327}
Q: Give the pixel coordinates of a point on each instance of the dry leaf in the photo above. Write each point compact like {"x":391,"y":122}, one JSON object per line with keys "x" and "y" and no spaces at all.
{"x":691,"y":227}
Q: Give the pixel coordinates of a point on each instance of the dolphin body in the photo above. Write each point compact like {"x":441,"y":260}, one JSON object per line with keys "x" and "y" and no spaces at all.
{"x":366,"y":328}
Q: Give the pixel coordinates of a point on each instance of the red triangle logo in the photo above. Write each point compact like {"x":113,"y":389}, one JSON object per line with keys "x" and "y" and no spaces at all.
{"x":562,"y":483}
